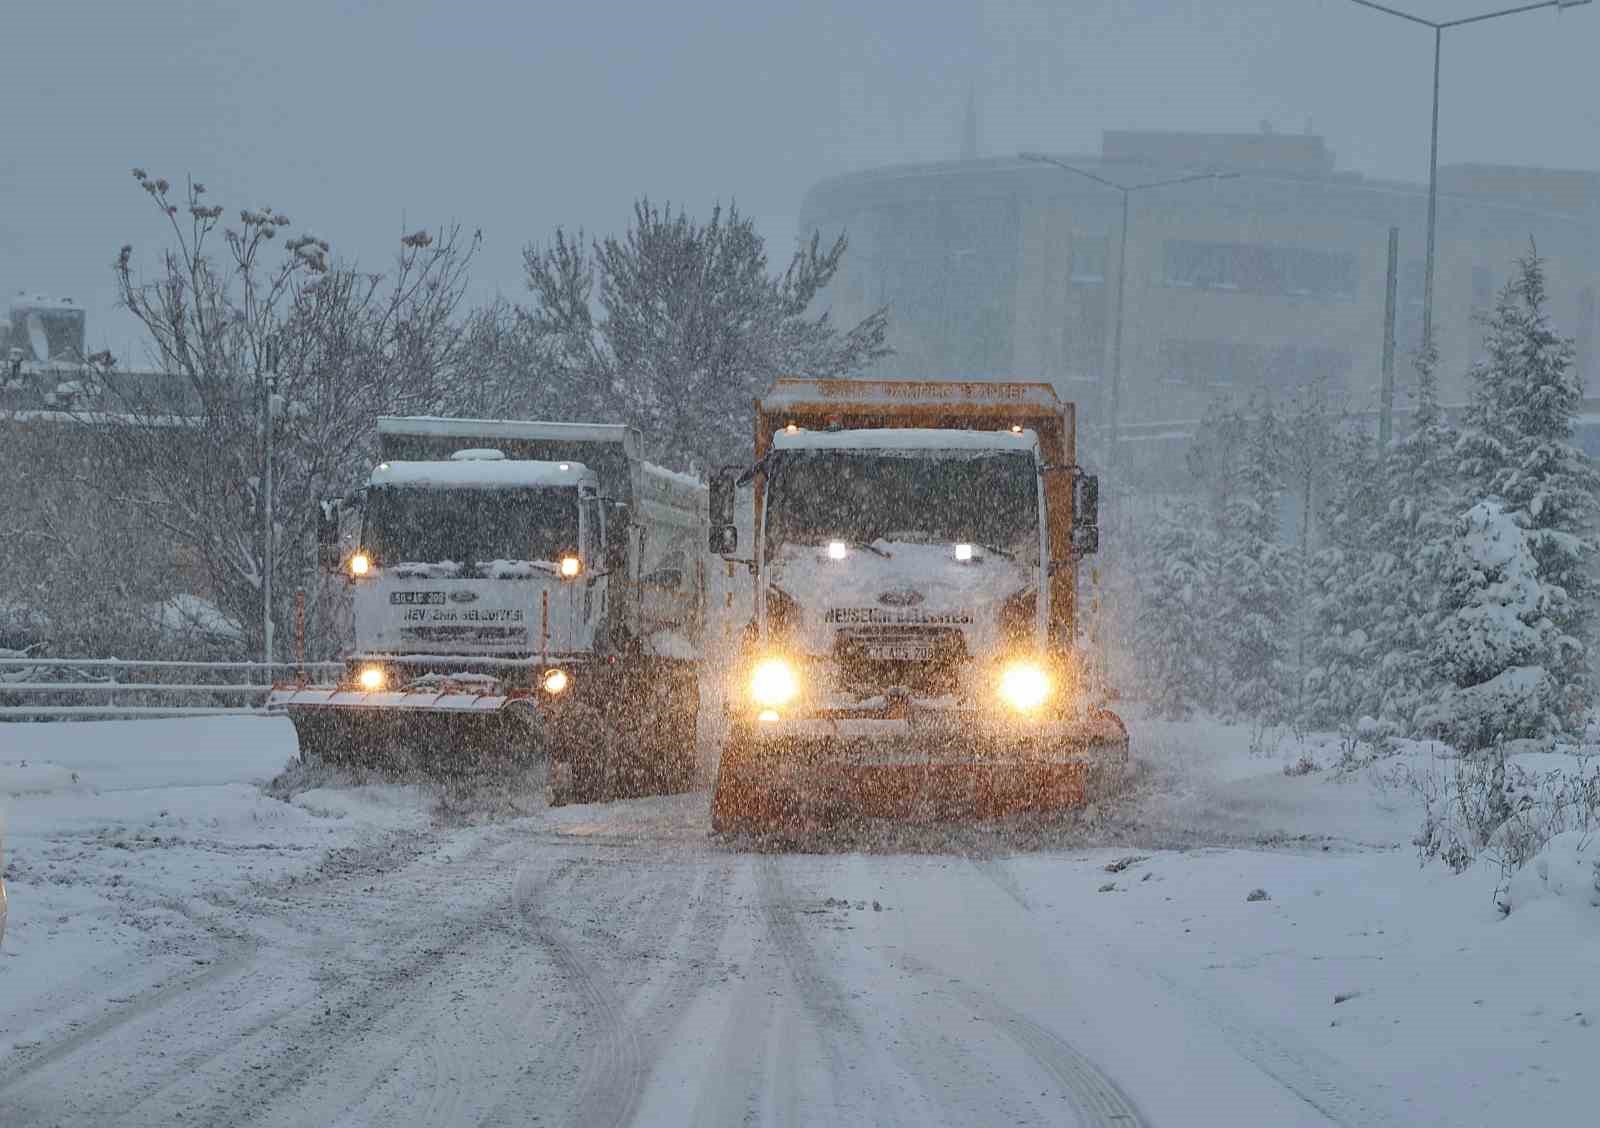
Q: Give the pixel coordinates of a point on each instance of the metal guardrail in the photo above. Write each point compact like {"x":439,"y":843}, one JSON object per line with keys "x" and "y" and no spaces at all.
{"x":79,"y":694}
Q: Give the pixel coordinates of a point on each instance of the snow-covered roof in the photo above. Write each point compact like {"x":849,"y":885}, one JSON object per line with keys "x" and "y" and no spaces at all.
{"x":906,"y":438}
{"x":687,"y":481}
{"x":476,"y":474}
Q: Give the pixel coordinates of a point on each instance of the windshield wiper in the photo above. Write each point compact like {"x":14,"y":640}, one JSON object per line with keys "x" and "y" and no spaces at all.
{"x":998,"y":551}
{"x":887,"y":555}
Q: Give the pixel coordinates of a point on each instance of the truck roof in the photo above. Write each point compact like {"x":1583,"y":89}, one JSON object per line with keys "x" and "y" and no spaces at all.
{"x":482,"y":474}
{"x":906,"y":438}
{"x":534,"y":429}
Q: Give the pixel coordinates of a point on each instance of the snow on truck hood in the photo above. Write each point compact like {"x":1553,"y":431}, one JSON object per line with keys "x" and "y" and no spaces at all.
{"x":916,"y":585}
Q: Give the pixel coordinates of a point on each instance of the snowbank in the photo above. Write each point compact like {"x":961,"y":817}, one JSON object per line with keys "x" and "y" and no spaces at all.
{"x":1566,"y":870}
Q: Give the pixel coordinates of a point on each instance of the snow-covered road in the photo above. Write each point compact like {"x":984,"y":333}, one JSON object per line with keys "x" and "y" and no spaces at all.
{"x":348,"y":956}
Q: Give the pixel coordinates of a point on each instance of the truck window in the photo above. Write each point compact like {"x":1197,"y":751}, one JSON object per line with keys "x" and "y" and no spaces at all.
{"x":908,"y":497}
{"x":469,"y":526}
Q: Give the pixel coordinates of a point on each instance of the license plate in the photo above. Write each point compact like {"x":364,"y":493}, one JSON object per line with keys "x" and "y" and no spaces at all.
{"x":898,"y":651}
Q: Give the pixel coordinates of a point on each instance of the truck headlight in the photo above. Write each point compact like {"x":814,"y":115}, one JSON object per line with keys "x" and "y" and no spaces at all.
{"x":555,"y":682}
{"x":773,"y":682}
{"x":1024,"y":686}
{"x":360,"y":564}
{"x":570,"y":567}
{"x":371,"y":678}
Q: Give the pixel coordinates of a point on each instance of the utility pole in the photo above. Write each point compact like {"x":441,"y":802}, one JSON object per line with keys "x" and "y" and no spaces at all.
{"x":1439,"y":28}
{"x":1386,"y":404}
{"x":268,"y":416}
{"x":1127,"y":190}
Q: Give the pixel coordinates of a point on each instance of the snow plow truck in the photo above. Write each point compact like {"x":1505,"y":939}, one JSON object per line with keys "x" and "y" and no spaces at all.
{"x":911,"y":653}
{"x":521,"y":590}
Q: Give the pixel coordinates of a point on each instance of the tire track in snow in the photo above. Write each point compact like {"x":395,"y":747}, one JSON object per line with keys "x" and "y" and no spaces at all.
{"x":824,"y":1001}
{"x":1097,"y":1099}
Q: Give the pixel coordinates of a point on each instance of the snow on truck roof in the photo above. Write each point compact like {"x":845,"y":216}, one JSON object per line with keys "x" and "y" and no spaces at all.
{"x":906,"y":438}
{"x":481,"y":474}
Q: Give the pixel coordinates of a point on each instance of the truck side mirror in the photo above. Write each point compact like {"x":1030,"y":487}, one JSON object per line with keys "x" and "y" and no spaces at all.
{"x":328,"y":512}
{"x":1086,"y":503}
{"x":616,"y":550}
{"x":722,"y":535}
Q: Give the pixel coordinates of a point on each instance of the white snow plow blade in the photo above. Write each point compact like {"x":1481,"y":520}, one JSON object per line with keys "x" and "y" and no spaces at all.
{"x":449,"y":700}
{"x":440,"y":731}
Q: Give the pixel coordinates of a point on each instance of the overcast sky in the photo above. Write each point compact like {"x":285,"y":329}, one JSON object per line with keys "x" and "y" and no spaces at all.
{"x":358,"y":118}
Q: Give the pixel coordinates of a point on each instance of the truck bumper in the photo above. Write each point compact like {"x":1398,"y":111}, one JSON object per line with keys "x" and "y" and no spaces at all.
{"x":797,"y":774}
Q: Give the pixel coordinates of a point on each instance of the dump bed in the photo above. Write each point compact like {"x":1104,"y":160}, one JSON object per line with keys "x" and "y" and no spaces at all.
{"x":850,"y":405}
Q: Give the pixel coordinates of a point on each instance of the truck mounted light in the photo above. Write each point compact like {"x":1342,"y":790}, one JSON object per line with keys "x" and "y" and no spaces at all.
{"x":360,"y":564}
{"x":837,"y":550}
{"x":1024,"y":686}
{"x":773,"y":683}
{"x":963,"y":552}
{"x":371,"y":678}
{"x":555,"y":682}
{"x":570,"y":567}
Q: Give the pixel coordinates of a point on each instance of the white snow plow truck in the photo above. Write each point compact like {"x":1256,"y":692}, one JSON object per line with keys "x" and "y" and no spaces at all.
{"x":912,"y":649}
{"x":521,"y":590}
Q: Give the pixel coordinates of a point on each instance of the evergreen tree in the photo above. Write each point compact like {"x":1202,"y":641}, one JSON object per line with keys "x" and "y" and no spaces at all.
{"x":1255,"y":583}
{"x":1347,"y":570}
{"x":1412,"y":543}
{"x":1518,"y":448}
{"x":1496,"y":644}
{"x":1175,"y":634}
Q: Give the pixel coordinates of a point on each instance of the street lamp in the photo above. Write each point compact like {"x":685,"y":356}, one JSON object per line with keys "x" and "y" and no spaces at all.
{"x":1122,"y":264}
{"x":1439,"y":27}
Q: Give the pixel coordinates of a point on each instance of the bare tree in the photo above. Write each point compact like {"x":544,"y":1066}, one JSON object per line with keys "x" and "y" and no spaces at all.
{"x":227,"y":319}
{"x":691,"y":325}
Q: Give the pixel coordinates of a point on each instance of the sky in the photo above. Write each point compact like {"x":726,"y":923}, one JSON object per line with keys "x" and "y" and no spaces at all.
{"x":363,"y":120}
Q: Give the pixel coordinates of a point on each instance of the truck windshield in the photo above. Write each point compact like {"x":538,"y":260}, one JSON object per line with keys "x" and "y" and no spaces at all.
{"x":906,"y":497}
{"x":470,"y":526}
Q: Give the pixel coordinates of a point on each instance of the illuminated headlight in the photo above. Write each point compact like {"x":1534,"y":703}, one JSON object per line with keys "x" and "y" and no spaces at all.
{"x":570,"y":566}
{"x":360,"y":564}
{"x":1024,"y":686}
{"x":963,"y":552}
{"x":773,"y":683}
{"x":555,"y":681}
{"x":837,"y":550}
{"x":371,"y":678}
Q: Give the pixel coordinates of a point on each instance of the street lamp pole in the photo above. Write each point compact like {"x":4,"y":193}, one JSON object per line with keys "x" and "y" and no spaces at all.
{"x":1127,"y":190}
{"x":1439,"y":27}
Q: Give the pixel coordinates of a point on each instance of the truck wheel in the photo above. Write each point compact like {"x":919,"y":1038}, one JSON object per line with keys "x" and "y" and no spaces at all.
{"x":577,"y":755}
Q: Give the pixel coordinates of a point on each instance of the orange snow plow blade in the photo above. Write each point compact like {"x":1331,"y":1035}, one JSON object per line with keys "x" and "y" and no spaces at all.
{"x":772,"y":782}
{"x":439,"y":730}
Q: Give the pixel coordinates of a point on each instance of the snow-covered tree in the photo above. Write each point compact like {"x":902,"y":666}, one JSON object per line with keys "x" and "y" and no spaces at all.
{"x":1517,"y":447}
{"x":1255,"y":580}
{"x":1414,"y":536}
{"x":1496,"y":643}
{"x":1350,"y":571}
{"x":691,"y":325}
{"x":1175,"y":634}
{"x":224,"y":321}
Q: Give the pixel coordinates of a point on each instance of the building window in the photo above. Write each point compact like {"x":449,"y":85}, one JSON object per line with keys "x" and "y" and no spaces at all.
{"x":1247,"y":367}
{"x":1248,"y":268}
{"x":1090,"y":254}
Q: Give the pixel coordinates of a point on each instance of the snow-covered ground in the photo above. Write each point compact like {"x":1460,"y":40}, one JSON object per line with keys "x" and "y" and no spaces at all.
{"x":187,"y":947}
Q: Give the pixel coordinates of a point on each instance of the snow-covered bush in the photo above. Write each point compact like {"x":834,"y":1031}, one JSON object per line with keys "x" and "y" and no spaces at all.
{"x":1566,"y":868}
